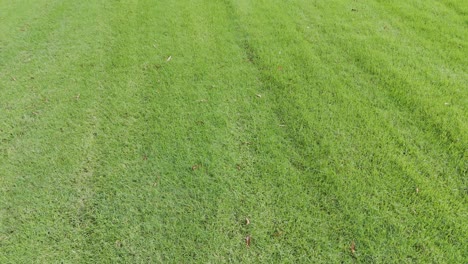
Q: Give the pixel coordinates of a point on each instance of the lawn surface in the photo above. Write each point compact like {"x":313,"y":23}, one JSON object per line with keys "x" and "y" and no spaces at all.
{"x":149,"y":131}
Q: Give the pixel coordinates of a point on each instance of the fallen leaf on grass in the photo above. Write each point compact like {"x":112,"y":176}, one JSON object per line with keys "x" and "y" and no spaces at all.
{"x":417,"y":190}
{"x":145,"y":157}
{"x":353,"y":247}
{"x":195,"y":167}
{"x":247,"y":221}
{"x":169,"y":58}
{"x":259,"y":95}
{"x":247,"y":240}
{"x":13,"y":78}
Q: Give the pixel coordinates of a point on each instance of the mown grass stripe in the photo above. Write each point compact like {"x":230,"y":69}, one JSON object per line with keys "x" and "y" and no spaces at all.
{"x":145,"y":131}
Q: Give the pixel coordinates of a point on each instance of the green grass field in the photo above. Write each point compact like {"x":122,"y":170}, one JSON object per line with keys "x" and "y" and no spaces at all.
{"x":149,"y":131}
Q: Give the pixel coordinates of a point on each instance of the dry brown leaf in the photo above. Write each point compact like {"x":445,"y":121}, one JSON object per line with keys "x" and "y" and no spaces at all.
{"x":247,"y":240}
{"x":353,"y":247}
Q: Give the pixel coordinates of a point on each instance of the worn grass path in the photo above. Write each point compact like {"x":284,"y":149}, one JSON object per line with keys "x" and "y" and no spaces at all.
{"x":149,"y":131}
